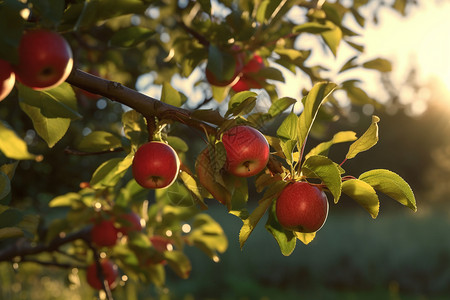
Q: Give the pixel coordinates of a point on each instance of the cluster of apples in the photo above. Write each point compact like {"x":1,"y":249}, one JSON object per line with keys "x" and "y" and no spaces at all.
{"x":45,"y":61}
{"x":106,"y":232}
{"x":245,"y":76}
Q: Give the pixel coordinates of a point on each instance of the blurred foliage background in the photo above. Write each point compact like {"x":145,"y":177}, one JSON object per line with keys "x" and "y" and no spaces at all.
{"x":400,"y":255}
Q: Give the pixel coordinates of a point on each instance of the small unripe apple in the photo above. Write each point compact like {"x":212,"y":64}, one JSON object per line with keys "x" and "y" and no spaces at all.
{"x":130,"y":222}
{"x":302,"y":207}
{"x":247,"y":151}
{"x":104,"y":233}
{"x":45,"y":59}
{"x":155,"y":165}
{"x":109,"y":272}
{"x":7,"y":79}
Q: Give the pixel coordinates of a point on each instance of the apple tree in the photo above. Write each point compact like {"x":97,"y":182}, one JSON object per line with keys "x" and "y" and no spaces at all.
{"x":160,"y":161}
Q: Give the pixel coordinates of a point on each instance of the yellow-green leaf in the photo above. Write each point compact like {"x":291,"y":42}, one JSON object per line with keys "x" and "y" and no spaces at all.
{"x":392,"y":185}
{"x":13,"y":146}
{"x":312,"y":103}
{"x":366,"y":141}
{"x":305,"y":238}
{"x":364,"y":194}
{"x":340,"y":137}
{"x":325,"y":169}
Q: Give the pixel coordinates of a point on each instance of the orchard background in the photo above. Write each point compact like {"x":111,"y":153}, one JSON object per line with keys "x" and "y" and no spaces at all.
{"x":139,"y":73}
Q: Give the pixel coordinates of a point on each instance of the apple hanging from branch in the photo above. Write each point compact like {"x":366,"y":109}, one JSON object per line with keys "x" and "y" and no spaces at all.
{"x":247,"y":151}
{"x":155,"y":165}
{"x":302,"y":207}
{"x":45,"y":59}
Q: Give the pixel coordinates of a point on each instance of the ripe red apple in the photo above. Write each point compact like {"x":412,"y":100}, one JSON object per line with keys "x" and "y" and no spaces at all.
{"x":130,"y":222}
{"x":45,"y":59}
{"x":302,"y":207}
{"x":104,"y":233}
{"x":109,"y":272}
{"x":255,"y":64}
{"x":247,"y":151}
{"x":160,"y":244}
{"x":245,"y":83}
{"x":239,"y":64}
{"x":155,"y":165}
{"x":7,"y":79}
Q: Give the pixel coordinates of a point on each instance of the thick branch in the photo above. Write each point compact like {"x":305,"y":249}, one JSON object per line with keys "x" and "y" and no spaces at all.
{"x":23,"y":247}
{"x":147,"y":106}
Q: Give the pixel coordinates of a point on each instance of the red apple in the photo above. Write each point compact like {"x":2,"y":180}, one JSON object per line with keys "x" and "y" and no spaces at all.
{"x":155,"y":165}
{"x":109,"y":272}
{"x":255,"y":64}
{"x":7,"y":79}
{"x":104,"y":233}
{"x":245,"y":83}
{"x":45,"y":59}
{"x":239,"y":64}
{"x":247,"y":151}
{"x":302,"y":207}
{"x":160,"y":244}
{"x":129,"y":222}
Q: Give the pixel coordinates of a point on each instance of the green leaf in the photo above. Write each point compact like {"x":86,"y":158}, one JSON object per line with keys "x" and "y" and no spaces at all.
{"x":241,"y":103}
{"x":270,"y":73}
{"x":110,"y":172}
{"x":340,"y":137}
{"x":312,"y":103}
{"x":332,"y":37}
{"x":392,"y":185}
{"x":179,"y":263}
{"x":130,"y":36}
{"x":191,"y":184}
{"x":250,"y":223}
{"x":364,"y":194}
{"x":50,"y":111}
{"x":5,"y":185}
{"x":350,"y":64}
{"x":222,"y":64}
{"x":311,"y":27}
{"x":13,"y":146}
{"x":98,"y":141}
{"x":305,"y":238}
{"x":170,"y":95}
{"x":380,"y":64}
{"x":64,"y":200}
{"x":58,"y":102}
{"x":280,"y":105}
{"x":285,"y":238}
{"x":132,"y":192}
{"x":288,"y":130}
{"x":208,"y":236}
{"x":220,"y":93}
{"x":10,"y":232}
{"x":178,"y":144}
{"x":325,"y":169}
{"x":135,"y":127}
{"x":366,"y":141}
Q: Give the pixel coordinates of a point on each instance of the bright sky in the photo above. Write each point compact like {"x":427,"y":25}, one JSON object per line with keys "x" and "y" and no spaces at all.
{"x":422,"y":38}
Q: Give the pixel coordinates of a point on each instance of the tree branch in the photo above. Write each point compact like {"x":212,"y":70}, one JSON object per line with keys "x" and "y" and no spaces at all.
{"x":147,"y":106}
{"x":23,"y":247}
